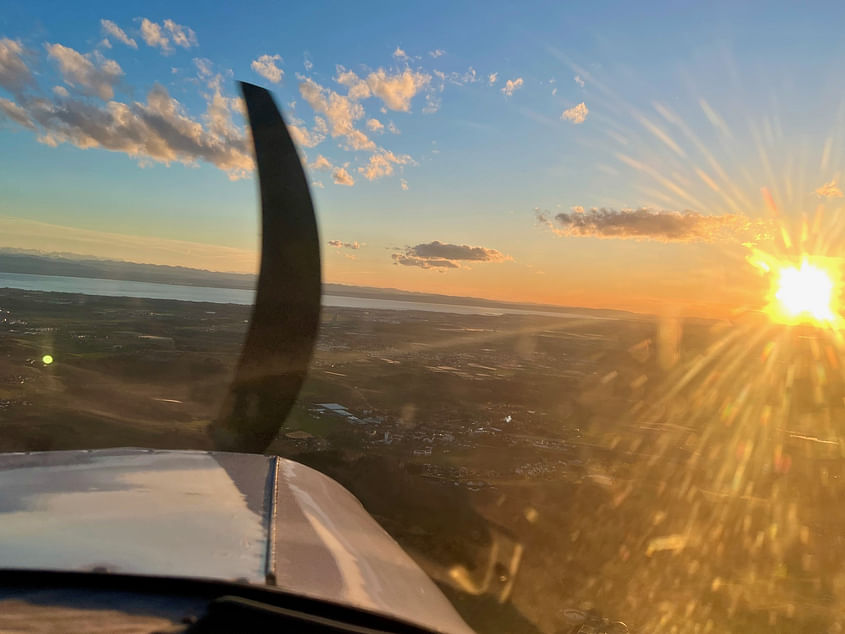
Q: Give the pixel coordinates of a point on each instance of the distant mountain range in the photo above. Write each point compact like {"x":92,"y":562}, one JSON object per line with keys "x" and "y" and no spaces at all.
{"x":71,"y":265}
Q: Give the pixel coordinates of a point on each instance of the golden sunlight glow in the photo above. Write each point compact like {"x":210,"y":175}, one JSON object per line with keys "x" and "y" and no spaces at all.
{"x":806,"y":291}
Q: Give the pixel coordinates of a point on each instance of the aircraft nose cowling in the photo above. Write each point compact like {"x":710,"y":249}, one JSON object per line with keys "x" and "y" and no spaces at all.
{"x":214,"y":515}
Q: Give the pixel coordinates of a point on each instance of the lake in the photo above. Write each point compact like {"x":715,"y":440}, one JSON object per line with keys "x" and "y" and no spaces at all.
{"x":151,"y":290}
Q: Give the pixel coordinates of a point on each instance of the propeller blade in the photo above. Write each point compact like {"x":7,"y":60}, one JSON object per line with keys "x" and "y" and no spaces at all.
{"x":286,"y":316}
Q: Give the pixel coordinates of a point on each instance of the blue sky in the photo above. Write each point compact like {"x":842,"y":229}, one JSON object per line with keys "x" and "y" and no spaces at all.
{"x":420,"y":151}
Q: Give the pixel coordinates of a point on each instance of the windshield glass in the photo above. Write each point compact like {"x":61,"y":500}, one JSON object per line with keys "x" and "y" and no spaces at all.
{"x":581,"y":342}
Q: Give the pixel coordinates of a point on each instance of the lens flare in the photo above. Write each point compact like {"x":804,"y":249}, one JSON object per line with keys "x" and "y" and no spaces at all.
{"x":804,"y":292}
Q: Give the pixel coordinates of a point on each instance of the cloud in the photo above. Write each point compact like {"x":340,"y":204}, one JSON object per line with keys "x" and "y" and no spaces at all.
{"x":470,"y":76}
{"x":14,"y":73}
{"x":157,"y":131}
{"x":181,"y":35}
{"x":399,"y":54}
{"x":309,"y":138}
{"x":397,"y":91}
{"x":651,"y":224}
{"x":432,"y":103}
{"x":61,"y":91}
{"x":576,"y":114}
{"x":153,"y":35}
{"x":267,"y":68}
{"x":358,"y":88}
{"x":205,"y":67}
{"x":829,"y":190}
{"x":340,"y":244}
{"x":342,"y":177}
{"x":307,"y":64}
{"x":161,"y":35}
{"x":96,"y":78}
{"x":511,"y":85}
{"x":491,"y":78}
{"x":381,"y":164}
{"x":321,"y":163}
{"x":578,"y":80}
{"x":11,"y":110}
{"x":423,"y":263}
{"x":375,"y":125}
{"x":438,"y":52}
{"x":440,"y":255}
{"x":447,"y":251}
{"x":110,"y":28}
{"x":341,"y":113}
{"x":403,"y":184}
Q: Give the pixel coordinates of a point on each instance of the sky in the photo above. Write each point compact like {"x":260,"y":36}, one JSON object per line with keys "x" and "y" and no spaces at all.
{"x":602,"y":154}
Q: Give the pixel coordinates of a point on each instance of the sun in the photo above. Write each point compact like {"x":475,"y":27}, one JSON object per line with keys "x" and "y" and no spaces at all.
{"x":802,"y":291}
{"x":805,"y":292}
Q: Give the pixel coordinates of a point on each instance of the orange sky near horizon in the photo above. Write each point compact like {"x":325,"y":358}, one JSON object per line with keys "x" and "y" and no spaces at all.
{"x":709,"y":281}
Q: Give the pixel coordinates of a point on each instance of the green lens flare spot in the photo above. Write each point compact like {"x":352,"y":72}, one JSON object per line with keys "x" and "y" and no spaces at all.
{"x":47,"y":359}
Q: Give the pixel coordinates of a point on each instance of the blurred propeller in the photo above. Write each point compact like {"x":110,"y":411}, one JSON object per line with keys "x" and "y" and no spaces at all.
{"x":286,"y":315}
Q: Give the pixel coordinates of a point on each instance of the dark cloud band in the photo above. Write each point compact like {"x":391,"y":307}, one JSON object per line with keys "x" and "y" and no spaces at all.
{"x":441,"y":255}
{"x":650,"y":224}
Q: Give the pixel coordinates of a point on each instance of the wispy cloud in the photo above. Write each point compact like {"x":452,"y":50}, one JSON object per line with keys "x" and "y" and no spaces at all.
{"x":512,"y":85}
{"x":111,"y":29}
{"x":442,"y":255}
{"x":652,"y":224}
{"x":340,"y":244}
{"x":400,"y":54}
{"x":266,"y":67}
{"x":491,"y":78}
{"x":93,"y":74}
{"x":161,"y":129}
{"x":14,"y":72}
{"x":469,"y":76}
{"x":308,"y":138}
{"x":181,"y":35}
{"x":162,"y":35}
{"x":576,"y":114}
{"x":438,"y":52}
{"x":154,"y":36}
{"x":15,"y":113}
{"x":578,"y":80}
{"x":158,"y":130}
